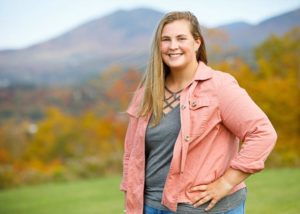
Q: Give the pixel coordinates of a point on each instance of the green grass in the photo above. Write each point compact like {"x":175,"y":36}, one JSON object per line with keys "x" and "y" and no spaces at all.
{"x":275,"y":191}
{"x":78,"y":197}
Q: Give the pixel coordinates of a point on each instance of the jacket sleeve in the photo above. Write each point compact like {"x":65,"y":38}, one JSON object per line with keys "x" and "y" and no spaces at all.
{"x":132,"y":111}
{"x":127,"y":150}
{"x":249,"y":123}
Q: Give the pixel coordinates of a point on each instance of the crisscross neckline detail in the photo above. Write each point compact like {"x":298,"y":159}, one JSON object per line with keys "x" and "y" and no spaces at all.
{"x":170,"y":102}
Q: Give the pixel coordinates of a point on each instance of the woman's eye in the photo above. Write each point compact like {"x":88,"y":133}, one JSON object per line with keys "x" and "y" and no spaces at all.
{"x":182,"y":38}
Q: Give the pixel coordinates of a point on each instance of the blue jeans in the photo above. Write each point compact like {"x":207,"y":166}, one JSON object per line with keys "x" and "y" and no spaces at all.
{"x":238,"y":210}
{"x":150,"y":210}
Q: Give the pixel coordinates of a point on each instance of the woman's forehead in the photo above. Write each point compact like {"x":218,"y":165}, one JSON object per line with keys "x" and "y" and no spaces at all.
{"x":176,"y":27}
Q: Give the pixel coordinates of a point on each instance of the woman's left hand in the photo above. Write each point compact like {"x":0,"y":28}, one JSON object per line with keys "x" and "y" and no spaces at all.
{"x":212,"y":192}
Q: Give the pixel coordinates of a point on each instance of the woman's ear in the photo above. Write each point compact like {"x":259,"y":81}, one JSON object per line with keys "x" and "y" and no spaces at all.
{"x":197,"y":44}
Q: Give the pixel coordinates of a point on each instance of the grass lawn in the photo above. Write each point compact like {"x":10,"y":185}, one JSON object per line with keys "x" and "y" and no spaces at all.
{"x":78,"y":197}
{"x":273,"y":191}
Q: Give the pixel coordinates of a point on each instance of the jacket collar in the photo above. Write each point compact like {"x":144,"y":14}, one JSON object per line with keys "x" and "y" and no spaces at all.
{"x":203,"y":72}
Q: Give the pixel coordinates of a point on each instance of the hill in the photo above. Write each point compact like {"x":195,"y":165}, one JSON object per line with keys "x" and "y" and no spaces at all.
{"x":246,"y":36}
{"x":123,"y":38}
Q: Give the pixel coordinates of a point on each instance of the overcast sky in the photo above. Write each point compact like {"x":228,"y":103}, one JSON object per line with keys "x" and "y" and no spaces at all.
{"x":27,"y":22}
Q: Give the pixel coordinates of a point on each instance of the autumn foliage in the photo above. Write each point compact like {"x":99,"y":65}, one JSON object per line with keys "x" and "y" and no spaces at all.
{"x":79,"y":132}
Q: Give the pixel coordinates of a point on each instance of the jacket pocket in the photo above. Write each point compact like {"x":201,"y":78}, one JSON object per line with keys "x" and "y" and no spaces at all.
{"x":199,"y":115}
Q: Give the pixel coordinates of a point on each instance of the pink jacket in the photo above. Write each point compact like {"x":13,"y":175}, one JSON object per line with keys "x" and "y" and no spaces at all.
{"x":216,"y":114}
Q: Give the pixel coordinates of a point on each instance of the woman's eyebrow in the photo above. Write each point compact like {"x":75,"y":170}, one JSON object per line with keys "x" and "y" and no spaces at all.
{"x":179,"y":35}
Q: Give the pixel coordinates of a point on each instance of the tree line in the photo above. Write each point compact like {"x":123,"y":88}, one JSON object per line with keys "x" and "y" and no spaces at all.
{"x":64,"y":145}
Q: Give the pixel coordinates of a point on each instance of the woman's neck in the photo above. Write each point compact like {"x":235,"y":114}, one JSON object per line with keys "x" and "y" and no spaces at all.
{"x":179,"y":78}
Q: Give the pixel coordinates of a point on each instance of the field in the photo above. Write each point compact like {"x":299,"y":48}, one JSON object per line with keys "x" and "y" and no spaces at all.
{"x":274,"y":191}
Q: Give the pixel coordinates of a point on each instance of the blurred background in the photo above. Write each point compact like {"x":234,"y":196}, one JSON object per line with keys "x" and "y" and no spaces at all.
{"x":68,"y":70}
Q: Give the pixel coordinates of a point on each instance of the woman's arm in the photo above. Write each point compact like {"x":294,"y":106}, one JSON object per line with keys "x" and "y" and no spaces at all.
{"x":127,"y":150}
{"x":249,"y":123}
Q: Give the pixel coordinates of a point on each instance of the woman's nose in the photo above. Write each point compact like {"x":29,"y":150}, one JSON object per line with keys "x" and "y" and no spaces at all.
{"x":173,"y":44}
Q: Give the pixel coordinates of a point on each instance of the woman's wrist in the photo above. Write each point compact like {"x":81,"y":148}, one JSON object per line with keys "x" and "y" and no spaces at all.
{"x":233,"y":177}
{"x":226,"y":183}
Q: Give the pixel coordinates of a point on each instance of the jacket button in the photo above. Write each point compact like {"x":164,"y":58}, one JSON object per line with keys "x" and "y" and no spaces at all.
{"x":187,"y":138}
{"x":194,"y":104}
{"x":183,"y":107}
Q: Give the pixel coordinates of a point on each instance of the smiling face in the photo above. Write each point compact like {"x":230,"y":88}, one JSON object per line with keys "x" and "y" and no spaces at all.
{"x":177,"y":46}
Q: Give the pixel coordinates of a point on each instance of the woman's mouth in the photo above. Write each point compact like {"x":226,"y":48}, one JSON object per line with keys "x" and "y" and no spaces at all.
{"x":175,"y":55}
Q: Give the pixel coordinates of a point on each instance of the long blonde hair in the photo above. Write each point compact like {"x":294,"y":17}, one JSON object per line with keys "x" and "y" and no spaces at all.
{"x":153,"y":80}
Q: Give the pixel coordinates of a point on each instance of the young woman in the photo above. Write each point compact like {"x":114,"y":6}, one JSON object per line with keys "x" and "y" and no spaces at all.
{"x":185,"y":123}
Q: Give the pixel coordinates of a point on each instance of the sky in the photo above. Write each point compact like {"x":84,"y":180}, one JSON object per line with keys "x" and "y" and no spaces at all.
{"x":27,"y":22}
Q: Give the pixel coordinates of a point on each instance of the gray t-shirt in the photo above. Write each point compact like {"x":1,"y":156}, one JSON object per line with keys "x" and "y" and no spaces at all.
{"x":160,"y":141}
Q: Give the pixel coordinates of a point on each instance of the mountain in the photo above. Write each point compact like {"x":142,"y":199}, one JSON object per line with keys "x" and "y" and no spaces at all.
{"x":235,"y":27}
{"x":246,"y":36}
{"x":123,"y":38}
